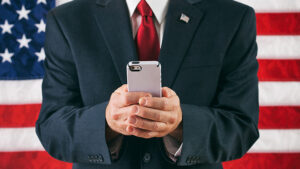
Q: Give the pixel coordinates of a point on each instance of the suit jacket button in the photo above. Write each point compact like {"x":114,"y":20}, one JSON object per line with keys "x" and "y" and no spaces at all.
{"x":101,"y":159}
{"x":188,"y":160}
{"x":147,"y":157}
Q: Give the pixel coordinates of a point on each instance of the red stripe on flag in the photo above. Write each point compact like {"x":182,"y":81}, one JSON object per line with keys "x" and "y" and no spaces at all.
{"x":41,"y":160}
{"x":265,"y":161}
{"x":270,"y":117}
{"x":279,"y":70}
{"x":31,"y":160}
{"x":19,"y":115}
{"x":278,"y":23}
{"x":279,"y":117}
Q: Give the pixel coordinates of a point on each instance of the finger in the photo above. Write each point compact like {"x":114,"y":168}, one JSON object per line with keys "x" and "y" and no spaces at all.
{"x":167,"y":92}
{"x":129,"y":98}
{"x":117,"y":93}
{"x":142,"y":133}
{"x":155,"y":114}
{"x":161,"y":103}
{"x":124,"y":112}
{"x":123,"y":88}
{"x":123,"y":128}
{"x":120,"y":127}
{"x":147,"y":124}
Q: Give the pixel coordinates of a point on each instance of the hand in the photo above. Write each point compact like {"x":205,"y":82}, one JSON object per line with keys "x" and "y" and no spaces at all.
{"x":156,"y":117}
{"x":120,"y":107}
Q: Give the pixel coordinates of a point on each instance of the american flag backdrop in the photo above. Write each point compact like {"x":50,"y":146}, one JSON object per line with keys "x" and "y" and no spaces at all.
{"x":22,"y":31}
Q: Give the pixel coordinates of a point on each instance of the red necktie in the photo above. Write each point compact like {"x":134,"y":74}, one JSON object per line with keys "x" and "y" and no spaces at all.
{"x":146,"y":39}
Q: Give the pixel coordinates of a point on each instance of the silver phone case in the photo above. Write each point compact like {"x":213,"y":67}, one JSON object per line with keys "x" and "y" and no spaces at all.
{"x":148,"y":79}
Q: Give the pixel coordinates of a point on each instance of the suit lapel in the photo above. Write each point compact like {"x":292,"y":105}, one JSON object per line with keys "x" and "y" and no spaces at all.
{"x":177,"y":36}
{"x":113,"y":20}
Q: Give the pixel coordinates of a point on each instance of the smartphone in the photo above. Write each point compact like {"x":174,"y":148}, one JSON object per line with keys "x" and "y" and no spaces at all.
{"x":144,"y":76}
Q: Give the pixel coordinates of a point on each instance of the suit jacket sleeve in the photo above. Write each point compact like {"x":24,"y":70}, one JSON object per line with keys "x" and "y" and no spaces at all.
{"x":228,"y":128}
{"x":68,"y":130}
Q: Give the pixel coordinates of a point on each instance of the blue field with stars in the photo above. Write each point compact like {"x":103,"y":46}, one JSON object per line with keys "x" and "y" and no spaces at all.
{"x":22,"y":34}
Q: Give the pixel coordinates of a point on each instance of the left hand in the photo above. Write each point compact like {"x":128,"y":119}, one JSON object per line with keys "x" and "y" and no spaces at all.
{"x":156,"y":116}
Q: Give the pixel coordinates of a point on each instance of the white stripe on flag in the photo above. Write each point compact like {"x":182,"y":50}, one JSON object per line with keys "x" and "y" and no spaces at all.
{"x":20,"y":91}
{"x":19,"y":139}
{"x":279,"y":93}
{"x":25,"y":139}
{"x":278,"y":47}
{"x":273,"y":5}
{"x":277,"y":141}
{"x":29,"y":92}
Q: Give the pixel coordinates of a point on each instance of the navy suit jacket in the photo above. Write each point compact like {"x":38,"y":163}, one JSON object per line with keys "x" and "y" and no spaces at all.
{"x":210,"y":62}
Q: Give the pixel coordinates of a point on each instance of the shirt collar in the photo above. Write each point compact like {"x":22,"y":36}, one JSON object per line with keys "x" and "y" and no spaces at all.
{"x":159,"y":8}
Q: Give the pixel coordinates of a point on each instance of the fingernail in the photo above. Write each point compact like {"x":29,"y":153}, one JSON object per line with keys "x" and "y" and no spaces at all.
{"x":142,"y":101}
{"x":132,"y":120}
{"x":148,"y":95}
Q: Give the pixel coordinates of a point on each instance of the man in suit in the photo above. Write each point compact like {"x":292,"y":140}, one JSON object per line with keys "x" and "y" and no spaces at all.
{"x":209,"y":109}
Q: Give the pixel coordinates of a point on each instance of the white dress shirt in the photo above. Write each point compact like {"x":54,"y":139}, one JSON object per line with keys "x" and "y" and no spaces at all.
{"x":159,"y":8}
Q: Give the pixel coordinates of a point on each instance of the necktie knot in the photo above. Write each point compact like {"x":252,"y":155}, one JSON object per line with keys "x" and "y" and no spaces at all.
{"x":144,"y":8}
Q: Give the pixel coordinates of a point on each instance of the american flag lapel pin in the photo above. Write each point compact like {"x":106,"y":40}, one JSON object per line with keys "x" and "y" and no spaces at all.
{"x":184,"y":18}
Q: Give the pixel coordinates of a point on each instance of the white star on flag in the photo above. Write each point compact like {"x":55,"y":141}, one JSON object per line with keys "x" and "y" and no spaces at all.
{"x":24,"y":41}
{"x":23,"y":13}
{"x":41,"y":55}
{"x":41,"y":26}
{"x":5,"y":1}
{"x":41,"y":1}
{"x":6,"y":56}
{"x":6,"y":27}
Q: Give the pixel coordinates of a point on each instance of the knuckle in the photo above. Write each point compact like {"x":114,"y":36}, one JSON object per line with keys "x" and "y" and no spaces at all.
{"x":141,"y":123}
{"x":113,"y":95}
{"x":164,"y":103}
{"x":115,"y":116}
{"x":157,"y":116}
{"x":133,"y":109}
{"x":112,"y":114}
{"x":173,"y":107}
{"x":141,"y":112}
{"x":148,"y":102}
{"x":155,"y":126}
{"x":172,"y":119}
{"x":125,"y":130}
{"x":164,"y":127}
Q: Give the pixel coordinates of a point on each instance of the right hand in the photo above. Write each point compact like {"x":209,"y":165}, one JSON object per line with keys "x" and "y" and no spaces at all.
{"x":120,"y":107}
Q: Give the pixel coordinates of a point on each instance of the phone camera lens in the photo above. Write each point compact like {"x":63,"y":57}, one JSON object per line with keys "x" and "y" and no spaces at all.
{"x":135,"y":68}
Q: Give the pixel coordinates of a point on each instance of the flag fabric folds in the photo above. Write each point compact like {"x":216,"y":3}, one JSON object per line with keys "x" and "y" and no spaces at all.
{"x":22,"y":33}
